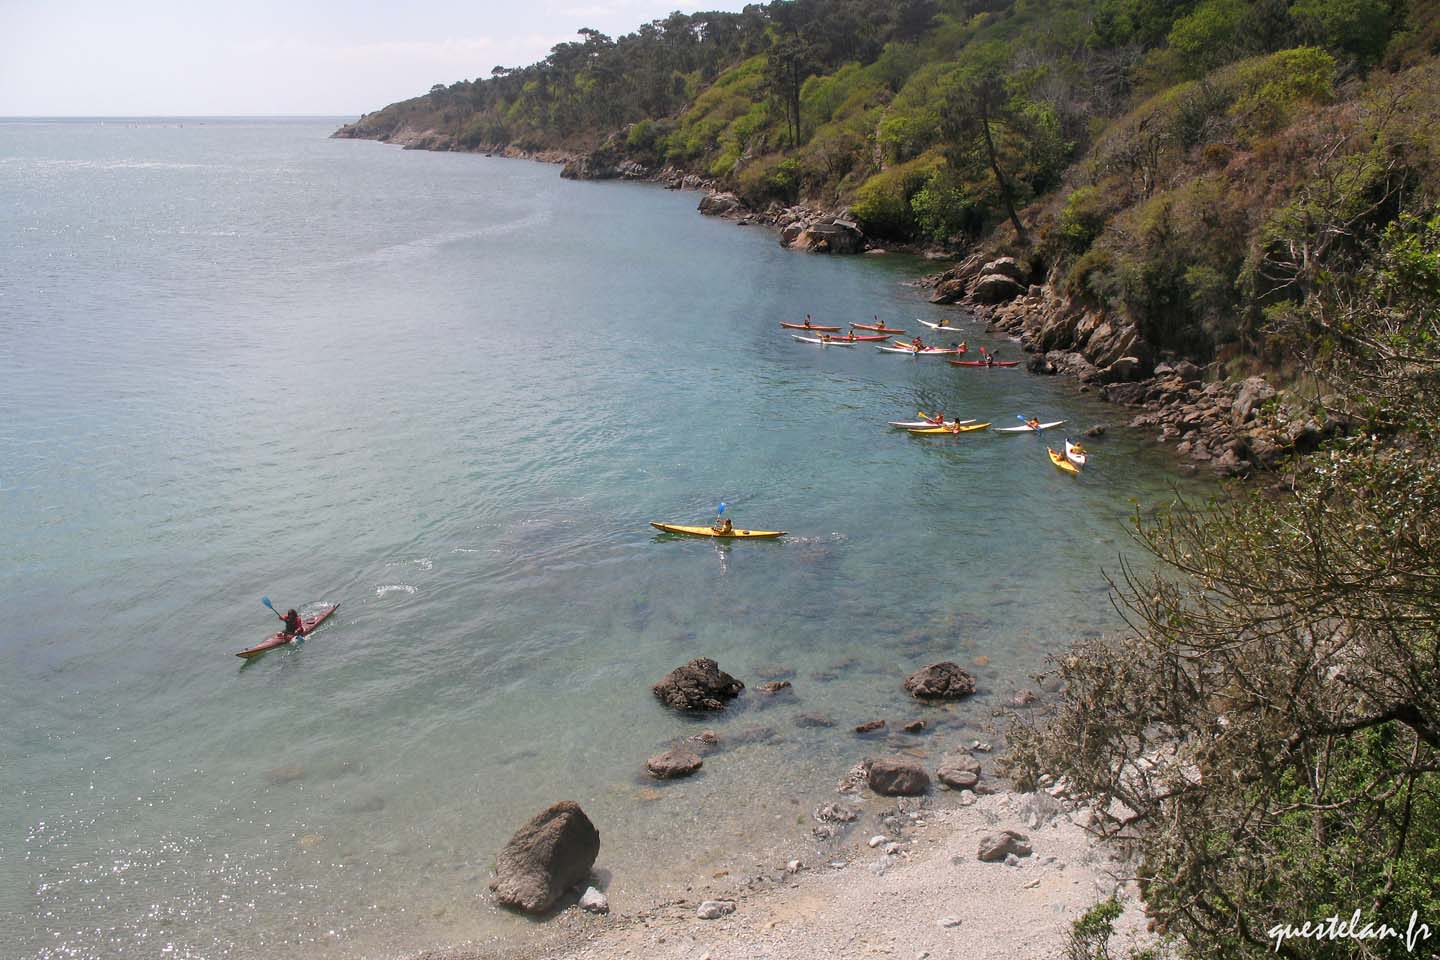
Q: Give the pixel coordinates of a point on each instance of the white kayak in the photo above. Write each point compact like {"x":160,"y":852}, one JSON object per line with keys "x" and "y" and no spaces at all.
{"x":1029,"y":429}
{"x":1075,"y":453}
{"x":922,"y":424}
{"x":927,"y":352}
{"x":936,"y":326}
{"x":833,"y":342}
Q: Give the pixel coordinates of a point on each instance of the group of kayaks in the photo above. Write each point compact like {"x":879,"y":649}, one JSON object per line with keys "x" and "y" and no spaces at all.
{"x":879,"y":334}
{"x":1070,"y":459}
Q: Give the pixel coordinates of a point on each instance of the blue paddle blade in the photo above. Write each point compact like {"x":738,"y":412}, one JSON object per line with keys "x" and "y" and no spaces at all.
{"x":266,"y":601}
{"x":1019,"y":417}
{"x":721,"y":509}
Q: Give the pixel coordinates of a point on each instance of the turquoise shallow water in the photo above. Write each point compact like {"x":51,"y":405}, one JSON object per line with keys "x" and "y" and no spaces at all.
{"x":240,"y":358}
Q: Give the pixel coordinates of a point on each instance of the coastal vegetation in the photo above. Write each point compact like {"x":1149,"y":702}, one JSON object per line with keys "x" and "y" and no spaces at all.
{"x":1253,"y":185}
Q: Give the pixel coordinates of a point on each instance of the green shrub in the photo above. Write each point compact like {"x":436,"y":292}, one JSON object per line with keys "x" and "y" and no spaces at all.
{"x":882,"y":204}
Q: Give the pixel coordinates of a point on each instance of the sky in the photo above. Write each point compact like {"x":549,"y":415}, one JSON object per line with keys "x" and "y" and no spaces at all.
{"x":98,"y":58}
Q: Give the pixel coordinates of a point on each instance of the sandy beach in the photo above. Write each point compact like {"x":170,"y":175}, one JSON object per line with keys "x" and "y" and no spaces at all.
{"x":921,"y":892}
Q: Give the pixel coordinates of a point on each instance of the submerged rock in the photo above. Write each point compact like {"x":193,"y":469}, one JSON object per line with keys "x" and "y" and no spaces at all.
{"x":671,"y":764}
{"x":940,"y":681}
{"x":699,"y":685}
{"x":551,"y":853}
{"x":898,"y":778}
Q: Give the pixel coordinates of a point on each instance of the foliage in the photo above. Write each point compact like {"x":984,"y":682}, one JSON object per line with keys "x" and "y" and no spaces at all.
{"x":883,"y":202}
{"x":1090,"y":935}
{"x":1266,"y":737}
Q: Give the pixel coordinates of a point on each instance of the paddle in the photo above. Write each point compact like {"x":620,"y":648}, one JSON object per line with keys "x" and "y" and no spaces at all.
{"x":266,"y":601}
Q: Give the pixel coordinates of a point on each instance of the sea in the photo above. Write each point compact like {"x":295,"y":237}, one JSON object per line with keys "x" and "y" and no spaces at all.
{"x":449,"y":392}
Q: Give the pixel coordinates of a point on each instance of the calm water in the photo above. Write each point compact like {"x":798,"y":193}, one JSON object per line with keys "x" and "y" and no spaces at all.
{"x":240,"y":359}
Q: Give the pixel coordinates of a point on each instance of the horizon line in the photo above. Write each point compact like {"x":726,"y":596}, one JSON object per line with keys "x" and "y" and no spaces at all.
{"x":178,"y":116}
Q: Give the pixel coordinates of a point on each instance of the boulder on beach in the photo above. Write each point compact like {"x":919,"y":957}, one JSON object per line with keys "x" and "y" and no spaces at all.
{"x":545,"y":858}
{"x":699,"y":685}
{"x":940,"y":681}
{"x":995,"y":847}
{"x":677,"y":762}
{"x":959,"y":770}
{"x":898,"y":778}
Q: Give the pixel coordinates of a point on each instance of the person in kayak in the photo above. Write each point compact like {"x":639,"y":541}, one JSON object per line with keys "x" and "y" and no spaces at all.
{"x":917,"y":344}
{"x":1033,"y":423}
{"x":293,"y":626}
{"x":722,"y":526}
{"x":808,"y":324}
{"x":938,"y":419}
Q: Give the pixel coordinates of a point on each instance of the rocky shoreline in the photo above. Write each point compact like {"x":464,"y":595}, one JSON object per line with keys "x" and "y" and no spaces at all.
{"x":896,"y":857}
{"x":1230,"y":427}
{"x":994,"y":877}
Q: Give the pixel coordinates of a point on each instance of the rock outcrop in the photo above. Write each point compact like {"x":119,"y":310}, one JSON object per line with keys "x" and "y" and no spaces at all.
{"x":940,"y":681}
{"x":699,"y":685}
{"x":545,"y":858}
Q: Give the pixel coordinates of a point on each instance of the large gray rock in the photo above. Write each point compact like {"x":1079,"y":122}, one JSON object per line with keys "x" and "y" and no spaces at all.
{"x":1252,"y":393}
{"x":995,"y":847}
{"x":699,"y":685}
{"x":995,"y":288}
{"x":898,"y":778}
{"x":721,"y":204}
{"x":677,"y":762}
{"x":959,"y":771}
{"x":1006,"y":267}
{"x":835,"y":237}
{"x":940,"y":681}
{"x":545,"y":858}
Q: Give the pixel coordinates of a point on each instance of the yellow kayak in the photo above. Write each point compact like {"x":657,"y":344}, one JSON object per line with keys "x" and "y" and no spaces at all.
{"x":963,"y":428}
{"x":707,"y":531}
{"x":1059,"y":460}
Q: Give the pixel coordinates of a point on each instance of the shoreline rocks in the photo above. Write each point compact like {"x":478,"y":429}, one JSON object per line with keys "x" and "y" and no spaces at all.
{"x":698,"y":685}
{"x":897,"y":778}
{"x":1225,"y":427}
{"x":547,"y":856}
{"x":940,"y":681}
{"x":673,"y":764}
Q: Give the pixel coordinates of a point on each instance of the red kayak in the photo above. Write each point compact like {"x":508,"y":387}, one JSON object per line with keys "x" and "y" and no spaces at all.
{"x":984,"y":363}
{"x":307,"y":625}
{"x":877,"y":327}
{"x":813,"y":326}
{"x":857,"y":338}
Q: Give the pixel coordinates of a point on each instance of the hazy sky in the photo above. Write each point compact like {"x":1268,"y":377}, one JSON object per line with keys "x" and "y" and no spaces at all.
{"x":258,"y":57}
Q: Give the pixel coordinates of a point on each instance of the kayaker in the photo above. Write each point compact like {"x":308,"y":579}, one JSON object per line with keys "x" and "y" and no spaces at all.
{"x":723,"y":526}
{"x":292,"y":623}
{"x":938,"y":419}
{"x":917,"y":344}
{"x":808,"y":324}
{"x":1033,"y":423}
{"x":964,"y":347}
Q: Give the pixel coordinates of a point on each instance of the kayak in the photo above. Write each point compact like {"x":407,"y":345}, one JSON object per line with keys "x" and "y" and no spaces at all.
{"x":1065,"y":465}
{"x":923,"y":424}
{"x":982,"y":363}
{"x":736,"y":534}
{"x":857,"y":338}
{"x":877,"y":327}
{"x":1029,"y":429}
{"x":935,"y":326}
{"x":1075,"y":453}
{"x":926,"y":352}
{"x":307,"y":626}
{"x":813,"y":326}
{"x":832,"y":342}
{"x":938,"y":431}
